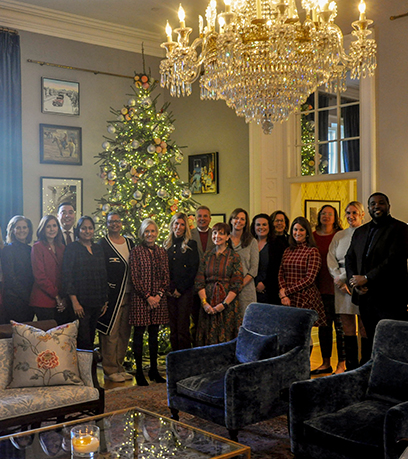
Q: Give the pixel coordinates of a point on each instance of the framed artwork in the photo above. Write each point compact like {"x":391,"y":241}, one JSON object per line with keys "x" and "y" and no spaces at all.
{"x":312,"y":207}
{"x":55,"y":190}
{"x":217,"y":218}
{"x":59,"y":97}
{"x":203,"y":173}
{"x":60,"y":145}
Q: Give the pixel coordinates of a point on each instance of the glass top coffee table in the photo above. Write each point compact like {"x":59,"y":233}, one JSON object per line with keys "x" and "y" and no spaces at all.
{"x":126,"y":434}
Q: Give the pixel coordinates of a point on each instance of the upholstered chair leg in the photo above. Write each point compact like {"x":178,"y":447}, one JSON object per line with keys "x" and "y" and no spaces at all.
{"x":174,"y":414}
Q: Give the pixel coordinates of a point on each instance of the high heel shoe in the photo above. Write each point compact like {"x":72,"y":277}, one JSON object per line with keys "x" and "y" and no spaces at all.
{"x":140,"y":378}
{"x":154,"y":375}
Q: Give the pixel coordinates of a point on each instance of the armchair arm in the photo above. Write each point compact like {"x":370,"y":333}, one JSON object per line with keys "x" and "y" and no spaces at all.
{"x":190,"y":362}
{"x":316,"y":397}
{"x":253,"y":390}
{"x":395,"y":429}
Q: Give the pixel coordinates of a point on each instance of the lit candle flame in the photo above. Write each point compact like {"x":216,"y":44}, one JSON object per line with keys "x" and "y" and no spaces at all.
{"x":182,"y":16}
{"x":362,"y":9}
{"x":200,"y":24}
{"x":169,"y":32}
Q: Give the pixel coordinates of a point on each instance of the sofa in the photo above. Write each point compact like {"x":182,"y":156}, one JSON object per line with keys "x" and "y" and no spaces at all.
{"x":28,"y":407}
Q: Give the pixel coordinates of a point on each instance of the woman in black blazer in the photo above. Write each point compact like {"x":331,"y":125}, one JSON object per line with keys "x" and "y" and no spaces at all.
{"x":183,"y":263}
{"x":18,"y":276}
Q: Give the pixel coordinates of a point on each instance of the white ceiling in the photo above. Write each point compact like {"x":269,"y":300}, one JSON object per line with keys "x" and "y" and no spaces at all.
{"x":115,"y":21}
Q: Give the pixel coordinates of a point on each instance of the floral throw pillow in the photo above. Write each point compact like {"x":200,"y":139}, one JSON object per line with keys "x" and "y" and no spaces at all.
{"x":44,"y":358}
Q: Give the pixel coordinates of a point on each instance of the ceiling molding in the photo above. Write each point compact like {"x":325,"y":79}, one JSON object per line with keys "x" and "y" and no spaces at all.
{"x":30,"y":18}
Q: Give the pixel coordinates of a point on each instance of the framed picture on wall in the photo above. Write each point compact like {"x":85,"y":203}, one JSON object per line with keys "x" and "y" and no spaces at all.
{"x":217,"y":218}
{"x":55,"y":190}
{"x":59,"y":97}
{"x":60,"y":145}
{"x":312,"y":207}
{"x":203,"y":173}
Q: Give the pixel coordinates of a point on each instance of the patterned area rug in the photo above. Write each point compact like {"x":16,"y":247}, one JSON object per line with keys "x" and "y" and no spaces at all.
{"x":268,"y":439}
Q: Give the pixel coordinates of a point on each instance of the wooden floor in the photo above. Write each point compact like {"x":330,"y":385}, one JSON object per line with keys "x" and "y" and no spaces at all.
{"x":315,"y":362}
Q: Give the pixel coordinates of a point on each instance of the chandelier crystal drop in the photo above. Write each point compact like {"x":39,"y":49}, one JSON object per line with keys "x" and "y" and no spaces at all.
{"x":263,"y":60}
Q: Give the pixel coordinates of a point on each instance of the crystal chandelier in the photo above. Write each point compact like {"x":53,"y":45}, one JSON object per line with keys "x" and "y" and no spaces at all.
{"x":263,"y":61}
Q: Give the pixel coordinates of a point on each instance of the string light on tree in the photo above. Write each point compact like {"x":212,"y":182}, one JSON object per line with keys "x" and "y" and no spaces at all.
{"x":138,"y":164}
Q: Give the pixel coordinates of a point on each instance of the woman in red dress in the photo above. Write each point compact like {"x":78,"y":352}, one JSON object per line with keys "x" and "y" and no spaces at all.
{"x":300,"y":265}
{"x":46,"y":260}
{"x":328,"y":224}
{"x":149,"y":270}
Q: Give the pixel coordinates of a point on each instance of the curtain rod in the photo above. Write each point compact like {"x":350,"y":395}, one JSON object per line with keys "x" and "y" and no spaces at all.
{"x":392,"y":18}
{"x":6,"y":29}
{"x":95,"y":72}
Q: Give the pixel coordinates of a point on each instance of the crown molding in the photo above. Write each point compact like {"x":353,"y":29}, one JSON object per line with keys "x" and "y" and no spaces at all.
{"x":31,"y":18}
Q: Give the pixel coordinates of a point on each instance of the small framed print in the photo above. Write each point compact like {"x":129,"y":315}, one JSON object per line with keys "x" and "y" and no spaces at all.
{"x":60,"y":145}
{"x":59,"y":97}
{"x":312,"y":207}
{"x":55,"y":190}
{"x":203,"y":173}
{"x":217,"y":218}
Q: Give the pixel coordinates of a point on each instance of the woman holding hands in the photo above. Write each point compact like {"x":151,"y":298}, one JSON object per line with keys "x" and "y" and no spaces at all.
{"x":342,"y":295}
{"x":85,"y":281}
{"x":300,"y":265}
{"x":149,"y":271}
{"x":46,"y":259}
{"x":218,"y":282}
{"x":183,"y":264}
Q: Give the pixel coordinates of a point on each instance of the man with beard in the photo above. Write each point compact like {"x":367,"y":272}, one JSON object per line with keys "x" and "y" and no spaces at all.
{"x":376,"y":266}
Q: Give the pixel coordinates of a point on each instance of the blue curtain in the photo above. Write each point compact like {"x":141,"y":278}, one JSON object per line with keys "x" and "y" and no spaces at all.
{"x":11,"y":182}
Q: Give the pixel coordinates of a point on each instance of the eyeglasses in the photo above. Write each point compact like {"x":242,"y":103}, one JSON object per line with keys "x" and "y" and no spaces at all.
{"x":111,"y":222}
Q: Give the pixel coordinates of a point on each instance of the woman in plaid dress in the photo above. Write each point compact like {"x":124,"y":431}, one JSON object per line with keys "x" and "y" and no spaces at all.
{"x":218,"y":282}
{"x":149,"y":270}
{"x":300,"y":265}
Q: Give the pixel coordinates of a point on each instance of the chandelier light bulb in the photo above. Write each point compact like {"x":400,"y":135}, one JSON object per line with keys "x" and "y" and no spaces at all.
{"x":169,"y":32}
{"x":200,"y":25}
{"x":182,"y":17}
{"x":362,"y":9}
{"x":221,"y":22}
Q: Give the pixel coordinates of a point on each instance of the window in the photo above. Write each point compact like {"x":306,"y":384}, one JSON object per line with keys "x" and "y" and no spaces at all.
{"x":328,"y":132}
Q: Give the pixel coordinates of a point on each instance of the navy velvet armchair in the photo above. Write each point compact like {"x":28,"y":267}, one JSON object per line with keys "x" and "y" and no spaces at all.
{"x":246,"y":380}
{"x":360,"y":413}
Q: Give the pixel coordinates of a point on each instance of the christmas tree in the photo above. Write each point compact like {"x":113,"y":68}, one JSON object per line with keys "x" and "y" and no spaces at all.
{"x":307,"y":127}
{"x":138,"y":164}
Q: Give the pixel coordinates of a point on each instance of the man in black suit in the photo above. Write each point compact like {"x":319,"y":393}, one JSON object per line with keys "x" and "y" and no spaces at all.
{"x":376,"y":266}
{"x":66,"y":217}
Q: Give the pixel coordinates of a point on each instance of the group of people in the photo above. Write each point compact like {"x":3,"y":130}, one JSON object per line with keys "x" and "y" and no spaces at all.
{"x":200,"y":281}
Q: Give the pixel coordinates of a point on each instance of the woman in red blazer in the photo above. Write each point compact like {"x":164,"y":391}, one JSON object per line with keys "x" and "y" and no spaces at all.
{"x":46,"y":260}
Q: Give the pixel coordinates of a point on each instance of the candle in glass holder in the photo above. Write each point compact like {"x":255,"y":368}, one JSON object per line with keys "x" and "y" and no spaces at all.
{"x":85,"y":441}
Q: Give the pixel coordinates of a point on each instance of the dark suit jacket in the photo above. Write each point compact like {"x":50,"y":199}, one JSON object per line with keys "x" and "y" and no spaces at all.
{"x":195,"y":236}
{"x":385,"y":267}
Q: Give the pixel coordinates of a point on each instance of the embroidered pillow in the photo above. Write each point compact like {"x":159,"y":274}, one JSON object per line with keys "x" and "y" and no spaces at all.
{"x":252,"y":346}
{"x":44,"y":358}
